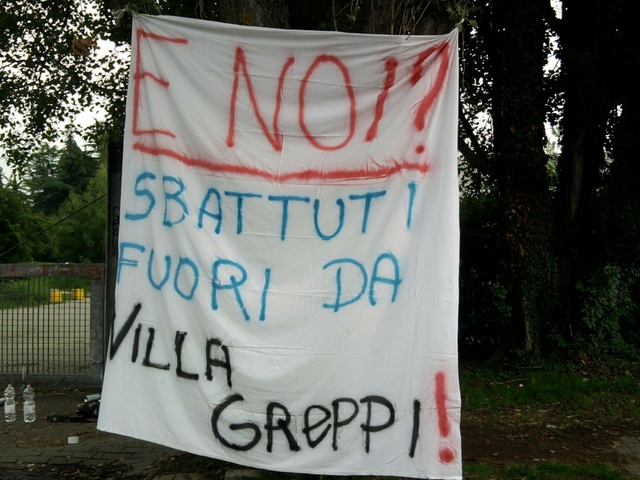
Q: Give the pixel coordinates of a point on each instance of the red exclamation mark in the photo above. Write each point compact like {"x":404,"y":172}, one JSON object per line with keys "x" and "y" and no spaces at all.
{"x":441,"y":53}
{"x":447,"y":455}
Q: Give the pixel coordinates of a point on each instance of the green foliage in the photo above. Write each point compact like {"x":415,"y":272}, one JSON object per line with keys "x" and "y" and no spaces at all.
{"x":15,"y":293}
{"x":60,"y":182}
{"x":17,"y":224}
{"x":29,"y":292}
{"x":52,"y":174}
{"x":47,"y":191}
{"x":82,"y":237}
{"x":553,"y":260}
{"x":76,"y":167}
{"x":461,"y":14}
{"x":484,"y":309}
{"x":50,"y":70}
{"x":606,"y":305}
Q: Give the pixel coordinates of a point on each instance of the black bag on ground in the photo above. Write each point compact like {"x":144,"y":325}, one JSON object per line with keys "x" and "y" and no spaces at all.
{"x":89,"y":409}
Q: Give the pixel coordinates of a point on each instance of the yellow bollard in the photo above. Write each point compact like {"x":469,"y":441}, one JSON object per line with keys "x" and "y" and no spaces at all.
{"x":55,"y":296}
{"x":77,"y":294}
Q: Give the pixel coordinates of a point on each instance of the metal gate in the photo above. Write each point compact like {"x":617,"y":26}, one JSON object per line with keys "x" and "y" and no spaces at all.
{"x":52,"y":328}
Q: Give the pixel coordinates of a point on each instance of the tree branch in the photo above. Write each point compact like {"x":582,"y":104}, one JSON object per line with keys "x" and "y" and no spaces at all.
{"x":475,"y":156}
{"x":472,"y":157}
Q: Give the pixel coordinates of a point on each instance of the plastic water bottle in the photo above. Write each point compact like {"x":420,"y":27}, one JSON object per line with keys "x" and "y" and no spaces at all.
{"x":29,"y":406}
{"x":9,"y":404}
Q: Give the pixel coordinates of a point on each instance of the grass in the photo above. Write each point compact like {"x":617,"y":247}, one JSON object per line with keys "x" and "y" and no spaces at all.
{"x":28,"y":292}
{"x":607,"y":394}
{"x":216,"y":469}
{"x":546,"y":471}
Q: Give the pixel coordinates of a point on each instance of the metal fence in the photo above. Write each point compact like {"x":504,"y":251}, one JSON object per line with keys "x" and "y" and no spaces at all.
{"x":52,"y":328}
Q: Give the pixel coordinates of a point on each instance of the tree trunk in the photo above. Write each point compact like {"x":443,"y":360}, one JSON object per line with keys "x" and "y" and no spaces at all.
{"x":520,"y":161}
{"x":260,"y":13}
{"x":405,"y":17}
{"x":583,"y":136}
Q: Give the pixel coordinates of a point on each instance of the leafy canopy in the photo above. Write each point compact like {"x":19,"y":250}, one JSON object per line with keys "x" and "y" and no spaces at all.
{"x":51,"y":70}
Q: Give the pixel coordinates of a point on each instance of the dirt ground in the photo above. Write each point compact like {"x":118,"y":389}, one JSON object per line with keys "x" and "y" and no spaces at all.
{"x":505,"y":437}
{"x":41,"y":433}
{"x":509,"y":441}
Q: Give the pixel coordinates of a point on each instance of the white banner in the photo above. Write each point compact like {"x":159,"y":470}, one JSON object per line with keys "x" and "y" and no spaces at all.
{"x":287,"y":286}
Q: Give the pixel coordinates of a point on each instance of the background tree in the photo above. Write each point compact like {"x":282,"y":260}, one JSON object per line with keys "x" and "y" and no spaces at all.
{"x":597,"y":206}
{"x":77,"y":167}
{"x":515,"y":34}
{"x":82,"y":237}
{"x":17,"y":224}
{"x":52,"y":174}
{"x":47,"y":192}
{"x":550,"y":262}
{"x":50,"y":70}
{"x":507,"y":267}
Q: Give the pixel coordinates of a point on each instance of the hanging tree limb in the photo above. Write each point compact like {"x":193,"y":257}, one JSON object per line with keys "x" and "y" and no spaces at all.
{"x":476,"y":155}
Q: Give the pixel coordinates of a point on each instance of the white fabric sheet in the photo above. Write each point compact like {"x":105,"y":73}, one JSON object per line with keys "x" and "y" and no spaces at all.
{"x":287,"y":285}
